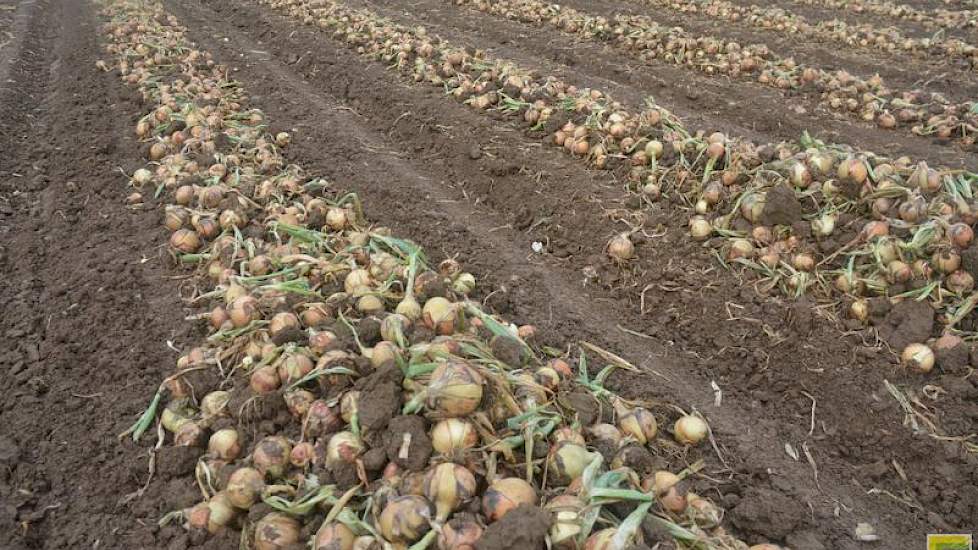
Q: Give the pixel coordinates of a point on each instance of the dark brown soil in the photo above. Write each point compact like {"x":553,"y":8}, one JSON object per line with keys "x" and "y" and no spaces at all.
{"x":89,"y":312}
{"x":521,"y":529}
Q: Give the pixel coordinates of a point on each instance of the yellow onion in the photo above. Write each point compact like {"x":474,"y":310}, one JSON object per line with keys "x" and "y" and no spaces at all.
{"x":294,"y":367}
{"x":190,"y":434}
{"x":298,"y":402}
{"x":185,"y":240}
{"x":303,"y":454}
{"x":567,"y":433}
{"x":464,"y":283}
{"x":607,"y":432}
{"x":455,"y":389}
{"x":213,"y":515}
{"x":703,"y":512}
{"x":349,"y":404}
{"x":243,"y":310}
{"x":357,"y":282}
{"x":271,"y":456}
{"x":567,"y":520}
{"x":276,"y":531}
{"x":334,"y":536}
{"x":507,"y":494}
{"x":405,"y":519}
{"x":621,"y":248}
{"x":459,"y":535}
{"x":918,"y":358}
{"x":244,"y":487}
{"x":439,"y":315}
{"x":343,"y":447}
{"x":690,"y":430}
{"x":264,"y":380}
{"x":448,"y":486}
{"x":640,"y":424}
{"x":283,"y":321}
{"x":700,"y":229}
{"x":384,"y":352}
{"x":453,"y":436}
{"x":392,"y":328}
{"x":224,"y":444}
{"x":567,"y":461}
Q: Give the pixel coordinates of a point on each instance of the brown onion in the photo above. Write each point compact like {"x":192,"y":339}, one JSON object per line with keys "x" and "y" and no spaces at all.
{"x":506,"y":494}
{"x":448,"y":486}
{"x":690,"y":429}
{"x":276,"y":531}
{"x":455,"y":389}
{"x":244,"y":487}
{"x":405,"y":519}
{"x":334,"y":536}
{"x":453,"y":436}
{"x":224,"y":444}
{"x":918,"y":358}
{"x":271,"y":456}
{"x":459,"y":535}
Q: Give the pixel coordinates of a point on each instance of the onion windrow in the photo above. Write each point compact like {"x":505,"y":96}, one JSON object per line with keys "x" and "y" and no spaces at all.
{"x":289,"y":337}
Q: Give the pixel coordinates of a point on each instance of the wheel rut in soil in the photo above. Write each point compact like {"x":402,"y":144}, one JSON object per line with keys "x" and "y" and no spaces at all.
{"x":302,"y":80}
{"x":87,"y":312}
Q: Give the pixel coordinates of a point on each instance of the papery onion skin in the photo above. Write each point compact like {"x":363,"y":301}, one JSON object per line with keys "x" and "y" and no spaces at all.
{"x":459,"y":535}
{"x":455,"y":389}
{"x":452,"y":436}
{"x":506,"y":494}
{"x":334,"y":536}
{"x":567,"y":461}
{"x":271,"y":456}
{"x":405,"y":519}
{"x":224,"y":444}
{"x":690,"y":430}
{"x":244,"y":487}
{"x":448,"y":486}
{"x":276,"y":531}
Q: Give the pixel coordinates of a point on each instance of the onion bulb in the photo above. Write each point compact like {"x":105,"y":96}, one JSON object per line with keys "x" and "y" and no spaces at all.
{"x":602,"y":540}
{"x":640,"y":424}
{"x":567,"y":461}
{"x":620,"y":248}
{"x":453,"y":436}
{"x":439,"y":315}
{"x":276,"y":531}
{"x":690,"y":430}
{"x":455,"y":389}
{"x":185,"y":240}
{"x":244,"y":487}
{"x":566,"y":510}
{"x":321,"y":420}
{"x":214,"y":515}
{"x":606,"y":432}
{"x":448,"y":486}
{"x":507,"y":494}
{"x":918,"y":358}
{"x":405,"y":519}
{"x":343,"y":447}
{"x":334,"y":536}
{"x":271,"y":456}
{"x":459,"y":535}
{"x":224,"y":444}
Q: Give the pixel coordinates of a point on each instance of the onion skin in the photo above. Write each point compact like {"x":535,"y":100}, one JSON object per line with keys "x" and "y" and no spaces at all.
{"x":918,"y":358}
{"x":640,"y":424}
{"x":452,"y":437}
{"x":276,"y":532}
{"x":271,"y":456}
{"x":244,"y":487}
{"x":224,"y":445}
{"x":334,"y":536}
{"x":448,"y":486}
{"x":690,"y":430}
{"x":566,"y":510}
{"x":455,"y":389}
{"x":506,"y":494}
{"x":567,"y":461}
{"x":459,"y":535}
{"x":405,"y":519}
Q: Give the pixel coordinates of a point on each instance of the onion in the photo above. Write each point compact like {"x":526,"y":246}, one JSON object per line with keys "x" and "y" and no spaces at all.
{"x":405,"y":519}
{"x":276,"y":531}
{"x":219,"y":514}
{"x":960,"y":281}
{"x":298,"y":402}
{"x":243,"y":310}
{"x":459,"y":535}
{"x":271,"y":456}
{"x":337,"y":219}
{"x":448,"y":486}
{"x":660,"y":482}
{"x":189,"y":434}
{"x":294,"y":367}
{"x":566,"y":510}
{"x":639,"y":424}
{"x":215,"y":404}
{"x":700,"y":229}
{"x":439,"y":315}
{"x":567,"y":461}
{"x":392,"y":328}
{"x":464,"y":283}
{"x":321,"y":420}
{"x":172,"y":420}
{"x":453,"y":436}
{"x":343,"y":447}
{"x":224,"y":444}
{"x":357,"y":282}
{"x":690,"y":430}
{"x":703,"y":512}
{"x":265,"y":380}
{"x":142,"y":176}
{"x":244,"y":487}
{"x":918,"y":358}
{"x":859,"y":310}
{"x":455,"y":389}
{"x":506,"y":494}
{"x":606,"y":432}
{"x":620,"y":248}
{"x":282,"y":322}
{"x":946,"y":261}
{"x":185,"y":240}
{"x":961,"y":234}
{"x":302,"y":454}
{"x":334,"y":536}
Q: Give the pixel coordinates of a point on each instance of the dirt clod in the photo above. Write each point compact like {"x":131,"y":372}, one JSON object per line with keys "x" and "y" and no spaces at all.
{"x":524,"y":528}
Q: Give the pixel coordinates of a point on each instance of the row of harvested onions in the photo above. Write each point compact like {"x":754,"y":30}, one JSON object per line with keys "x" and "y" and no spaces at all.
{"x":362,"y":402}
{"x":932,"y":18}
{"x":834,"y":31}
{"x":867,"y":99}
{"x":852,"y":223}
